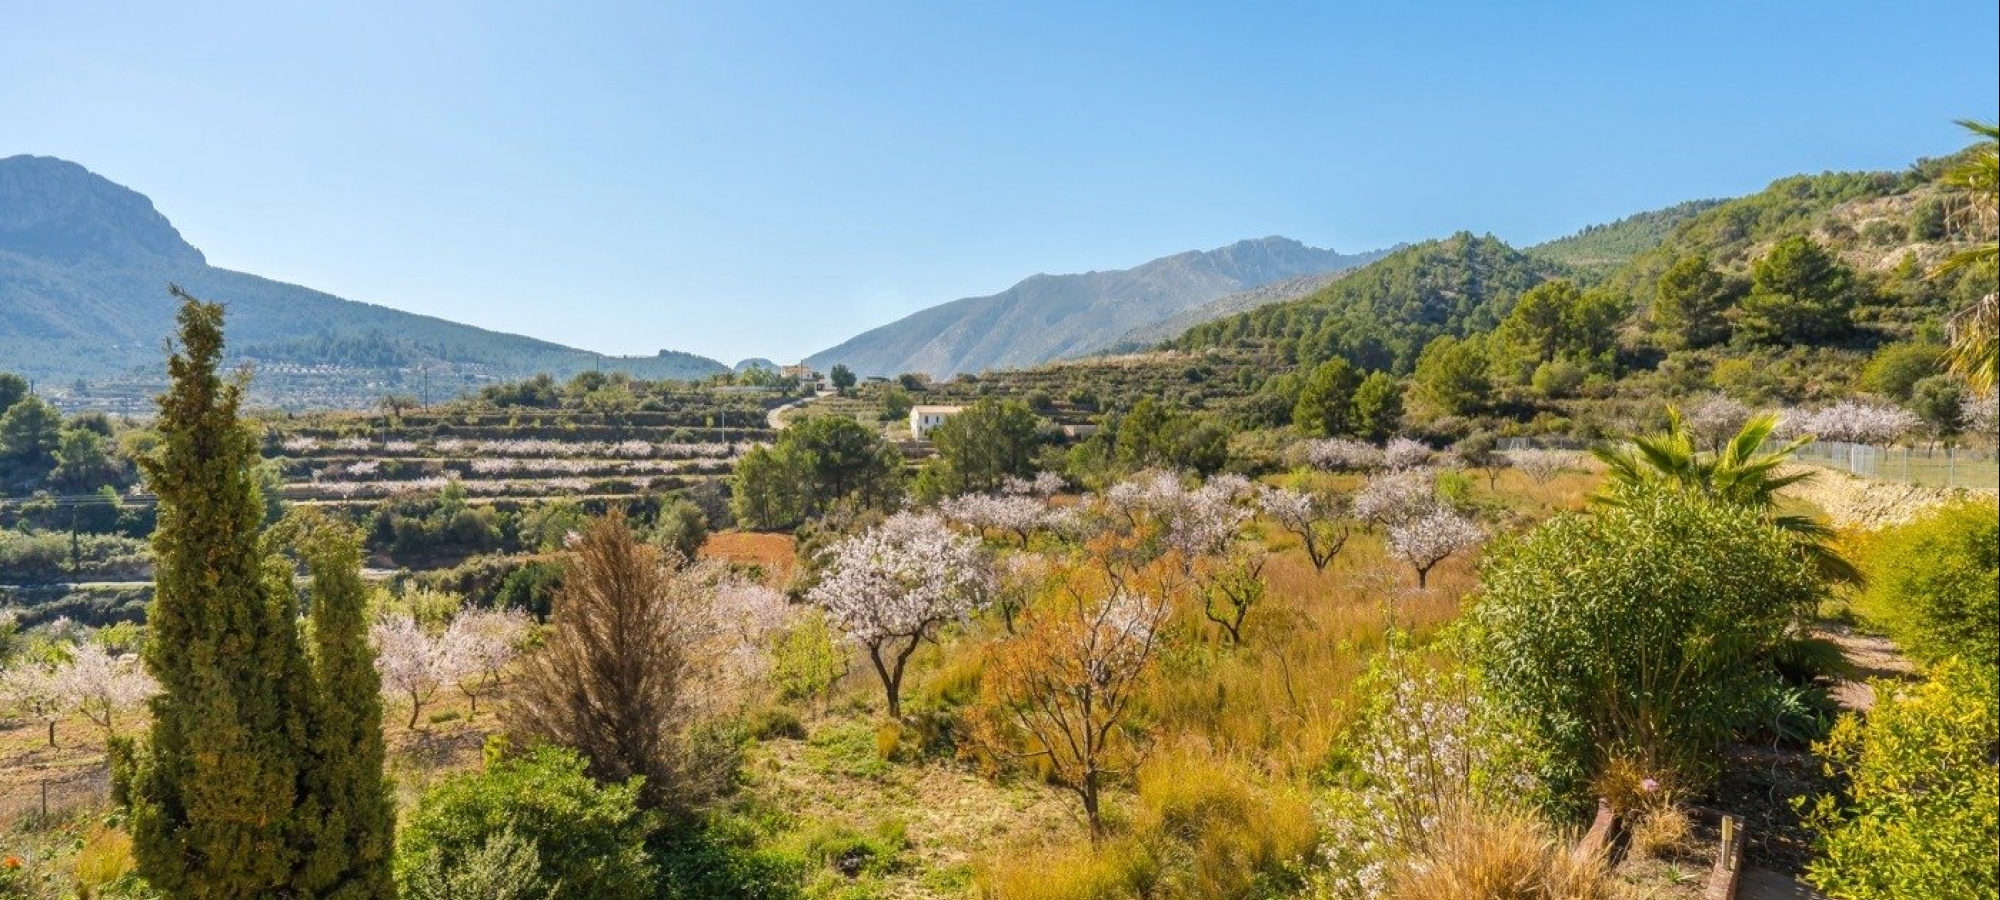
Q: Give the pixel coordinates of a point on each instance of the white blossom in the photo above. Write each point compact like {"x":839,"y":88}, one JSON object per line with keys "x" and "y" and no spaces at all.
{"x":1197,"y":523}
{"x":1396,"y":496}
{"x":100,"y":685}
{"x":1855,"y":422}
{"x":902,"y":578}
{"x":478,"y":646}
{"x":1428,"y":539}
{"x":414,"y":664}
{"x":898,"y":582}
{"x":1541,"y":465}
{"x":1020,"y":514}
{"x":1044,"y":484}
{"x":1980,"y":414}
{"x":33,"y":690}
{"x":1404,"y":453}
{"x":1715,"y":418}
{"x":1339,"y":455}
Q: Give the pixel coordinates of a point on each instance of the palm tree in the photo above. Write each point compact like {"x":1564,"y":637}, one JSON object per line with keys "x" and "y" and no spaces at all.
{"x":1975,"y":330}
{"x":1742,"y":473}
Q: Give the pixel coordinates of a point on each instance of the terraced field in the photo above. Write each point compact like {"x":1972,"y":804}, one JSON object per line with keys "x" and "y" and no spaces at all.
{"x":516,"y":453}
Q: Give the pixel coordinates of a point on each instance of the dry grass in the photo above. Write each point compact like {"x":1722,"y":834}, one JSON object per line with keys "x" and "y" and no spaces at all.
{"x":1663,"y":832}
{"x":1500,"y":857}
{"x":1286,"y":697}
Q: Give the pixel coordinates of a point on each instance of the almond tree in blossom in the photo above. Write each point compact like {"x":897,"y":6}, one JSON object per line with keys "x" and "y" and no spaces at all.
{"x":1855,"y":422}
{"x":101,"y":685}
{"x":1156,"y":516}
{"x":1394,"y":497}
{"x":1317,"y":518}
{"x":1981,"y":413}
{"x":414,"y":665}
{"x":35,"y":691}
{"x":892,"y":587}
{"x":747,"y":616}
{"x":1430,"y":538}
{"x":1018,"y":514}
{"x":1404,"y":453}
{"x":481,"y":644}
{"x":1044,"y":484}
{"x":1338,"y":455}
{"x":1715,"y":418}
{"x":1542,"y":466}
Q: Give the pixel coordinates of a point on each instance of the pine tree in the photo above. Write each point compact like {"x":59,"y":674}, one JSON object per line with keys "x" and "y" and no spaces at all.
{"x":213,"y":794}
{"x":348,"y":818}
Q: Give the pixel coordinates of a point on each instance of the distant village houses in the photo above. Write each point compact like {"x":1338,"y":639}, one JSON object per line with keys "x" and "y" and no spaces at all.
{"x":925,"y":418}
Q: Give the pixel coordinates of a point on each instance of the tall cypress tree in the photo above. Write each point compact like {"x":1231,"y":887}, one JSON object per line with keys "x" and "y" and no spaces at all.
{"x":348,"y":818}
{"x":213,"y":796}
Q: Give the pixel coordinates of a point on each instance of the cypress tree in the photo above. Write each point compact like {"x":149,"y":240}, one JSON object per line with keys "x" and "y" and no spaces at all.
{"x":214,"y":793}
{"x":348,"y":818}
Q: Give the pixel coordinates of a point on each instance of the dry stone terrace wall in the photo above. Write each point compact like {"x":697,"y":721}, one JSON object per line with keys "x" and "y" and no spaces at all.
{"x":516,"y":453}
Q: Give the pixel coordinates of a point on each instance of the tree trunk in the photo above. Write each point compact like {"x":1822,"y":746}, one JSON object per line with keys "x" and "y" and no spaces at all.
{"x":891,"y":684}
{"x":1091,"y":809}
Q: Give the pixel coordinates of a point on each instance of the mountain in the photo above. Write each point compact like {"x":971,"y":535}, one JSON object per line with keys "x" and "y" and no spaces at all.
{"x":84,"y":269}
{"x":1599,"y":248}
{"x":1172,"y":327}
{"x":1381,"y":315}
{"x":1050,"y":317}
{"x":755,"y":362}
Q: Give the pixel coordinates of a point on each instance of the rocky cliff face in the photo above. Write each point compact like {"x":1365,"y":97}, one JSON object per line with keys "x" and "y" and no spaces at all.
{"x":55,"y":209}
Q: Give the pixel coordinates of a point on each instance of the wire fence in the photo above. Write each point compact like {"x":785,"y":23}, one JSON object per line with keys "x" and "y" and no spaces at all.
{"x":54,"y":796}
{"x":1951,"y":467}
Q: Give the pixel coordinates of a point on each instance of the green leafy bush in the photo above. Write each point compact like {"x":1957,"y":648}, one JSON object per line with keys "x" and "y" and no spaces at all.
{"x":590,"y":838}
{"x":1931,"y":584}
{"x":1922,"y":806}
{"x":505,"y":867}
{"x":1641,"y":631}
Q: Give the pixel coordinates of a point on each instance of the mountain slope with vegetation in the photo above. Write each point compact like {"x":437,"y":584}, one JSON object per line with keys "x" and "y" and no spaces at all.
{"x":1599,"y":248}
{"x":1049,"y":317}
{"x":84,"y":269}
{"x":1382,"y":316}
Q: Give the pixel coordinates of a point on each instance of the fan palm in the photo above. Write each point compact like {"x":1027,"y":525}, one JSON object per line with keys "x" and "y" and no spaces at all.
{"x":1742,"y":473}
{"x":1975,"y":330}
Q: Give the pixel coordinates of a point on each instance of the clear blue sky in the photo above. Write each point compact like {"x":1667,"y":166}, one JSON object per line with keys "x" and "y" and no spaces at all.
{"x":749,"y":178}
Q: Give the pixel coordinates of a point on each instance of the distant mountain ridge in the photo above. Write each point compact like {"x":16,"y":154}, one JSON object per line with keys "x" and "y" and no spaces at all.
{"x":1050,"y":317}
{"x":84,"y":269}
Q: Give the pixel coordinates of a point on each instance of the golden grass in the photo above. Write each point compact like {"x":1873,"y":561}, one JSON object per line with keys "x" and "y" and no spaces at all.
{"x":105,"y":857}
{"x":1663,"y":832}
{"x":1497,"y":856}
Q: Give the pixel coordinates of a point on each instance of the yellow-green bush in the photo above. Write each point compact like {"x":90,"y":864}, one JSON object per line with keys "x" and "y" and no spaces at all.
{"x":1921,"y":814}
{"x":1931,"y":583}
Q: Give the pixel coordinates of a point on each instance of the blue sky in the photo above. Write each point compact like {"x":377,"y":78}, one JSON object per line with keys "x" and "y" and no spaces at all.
{"x":743,"y":178}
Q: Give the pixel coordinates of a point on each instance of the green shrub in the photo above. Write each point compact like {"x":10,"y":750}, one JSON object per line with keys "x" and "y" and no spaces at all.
{"x":807,"y":659}
{"x":505,"y":867}
{"x":590,"y":837}
{"x":1922,"y":806}
{"x":1644,"y":630}
{"x":1931,"y":584}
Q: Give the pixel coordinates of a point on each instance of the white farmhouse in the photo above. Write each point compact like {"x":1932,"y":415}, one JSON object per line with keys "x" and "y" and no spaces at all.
{"x":925,"y":418}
